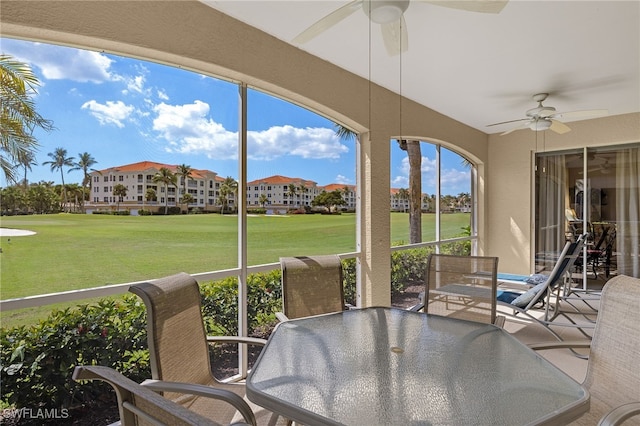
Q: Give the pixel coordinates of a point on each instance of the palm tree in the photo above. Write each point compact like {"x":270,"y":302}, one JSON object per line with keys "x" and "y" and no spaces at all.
{"x":119,"y":191}
{"x":150,"y":195}
{"x":263,"y":200}
{"x":222,"y":198}
{"x":18,"y":116}
{"x":27,"y":160}
{"x":344,"y":133}
{"x":166,"y":177}
{"x":293,"y":189}
{"x":84,"y":163}
{"x":58,"y":161}
{"x":76,"y":193}
{"x":185,"y":172}
{"x":229,"y":186}
{"x":188,"y":198}
{"x":301,"y":191}
{"x":412,"y":147}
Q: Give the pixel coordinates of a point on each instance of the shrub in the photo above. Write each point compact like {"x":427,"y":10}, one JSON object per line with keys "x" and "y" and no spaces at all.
{"x":36,"y":362}
{"x":408,"y":267}
{"x":349,"y":275}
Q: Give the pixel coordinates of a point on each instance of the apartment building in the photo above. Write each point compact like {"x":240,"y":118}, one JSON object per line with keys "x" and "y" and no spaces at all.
{"x":400,"y":201}
{"x":281,"y":191}
{"x":138,"y":179}
{"x":273,"y":192}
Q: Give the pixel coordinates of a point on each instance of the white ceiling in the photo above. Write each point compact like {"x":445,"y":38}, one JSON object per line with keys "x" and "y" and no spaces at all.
{"x":480,"y":68}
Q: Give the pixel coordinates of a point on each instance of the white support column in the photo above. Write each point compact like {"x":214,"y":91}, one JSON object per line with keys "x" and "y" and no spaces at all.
{"x":374,"y":287}
{"x":241,"y":204}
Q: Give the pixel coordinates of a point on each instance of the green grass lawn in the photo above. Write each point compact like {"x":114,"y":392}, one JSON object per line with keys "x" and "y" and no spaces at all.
{"x":82,"y":251}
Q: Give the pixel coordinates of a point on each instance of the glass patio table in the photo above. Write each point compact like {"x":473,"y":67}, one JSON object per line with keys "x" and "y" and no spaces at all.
{"x":386,"y":366}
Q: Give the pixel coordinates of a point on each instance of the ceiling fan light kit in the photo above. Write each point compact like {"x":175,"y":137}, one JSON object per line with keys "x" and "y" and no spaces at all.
{"x":540,"y":124}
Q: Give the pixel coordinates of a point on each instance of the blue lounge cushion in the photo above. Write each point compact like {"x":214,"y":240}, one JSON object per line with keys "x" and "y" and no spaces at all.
{"x":507,"y":296}
{"x":520,"y":300}
{"x":526,"y":279}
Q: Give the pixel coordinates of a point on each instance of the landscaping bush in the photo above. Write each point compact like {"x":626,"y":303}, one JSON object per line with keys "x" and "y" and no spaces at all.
{"x":408,"y":267}
{"x":36,"y":363}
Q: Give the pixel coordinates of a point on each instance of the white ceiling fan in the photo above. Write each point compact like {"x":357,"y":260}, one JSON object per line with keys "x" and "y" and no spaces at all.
{"x":390,"y":15}
{"x":545,"y":117}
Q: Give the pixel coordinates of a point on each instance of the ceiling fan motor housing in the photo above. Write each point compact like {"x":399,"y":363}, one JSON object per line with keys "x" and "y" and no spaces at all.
{"x":541,"y":111}
{"x":385,"y":11}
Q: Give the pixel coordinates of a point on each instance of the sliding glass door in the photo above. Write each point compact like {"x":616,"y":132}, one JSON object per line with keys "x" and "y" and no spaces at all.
{"x":594,"y":190}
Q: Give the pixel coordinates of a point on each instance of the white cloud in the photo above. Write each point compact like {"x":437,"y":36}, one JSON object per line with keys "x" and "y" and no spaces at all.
{"x":308,"y":143}
{"x":452,"y":181}
{"x":400,"y":182}
{"x":135,"y":84}
{"x":58,"y":62}
{"x":109,"y":113}
{"x":162,"y":95}
{"x":189,"y":130}
{"x":456,"y":181}
{"x":343,"y":179}
{"x":428,"y":170}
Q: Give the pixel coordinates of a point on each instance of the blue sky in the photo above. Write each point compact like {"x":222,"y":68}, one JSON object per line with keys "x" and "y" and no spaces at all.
{"x":123,"y":110}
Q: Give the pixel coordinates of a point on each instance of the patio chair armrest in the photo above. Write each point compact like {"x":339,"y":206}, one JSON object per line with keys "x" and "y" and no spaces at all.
{"x":619,"y":414}
{"x":567,"y":344}
{"x":237,"y":339}
{"x":205,"y":391}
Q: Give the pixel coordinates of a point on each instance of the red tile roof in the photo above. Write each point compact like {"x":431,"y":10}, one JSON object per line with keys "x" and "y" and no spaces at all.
{"x":339,"y":186}
{"x":150,"y":166}
{"x":282,"y":180}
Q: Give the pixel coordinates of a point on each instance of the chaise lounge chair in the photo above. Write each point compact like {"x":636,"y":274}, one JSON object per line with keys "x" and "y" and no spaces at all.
{"x":523,"y":304}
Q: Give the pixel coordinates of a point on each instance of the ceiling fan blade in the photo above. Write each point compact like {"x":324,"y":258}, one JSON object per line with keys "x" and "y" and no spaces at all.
{"x":482,"y":6}
{"x":395,"y":36}
{"x":524,"y":125}
{"x":507,"y":122}
{"x":559,"y":127}
{"x":581,"y":114}
{"x":327,"y":22}
{"x":597,"y":169}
